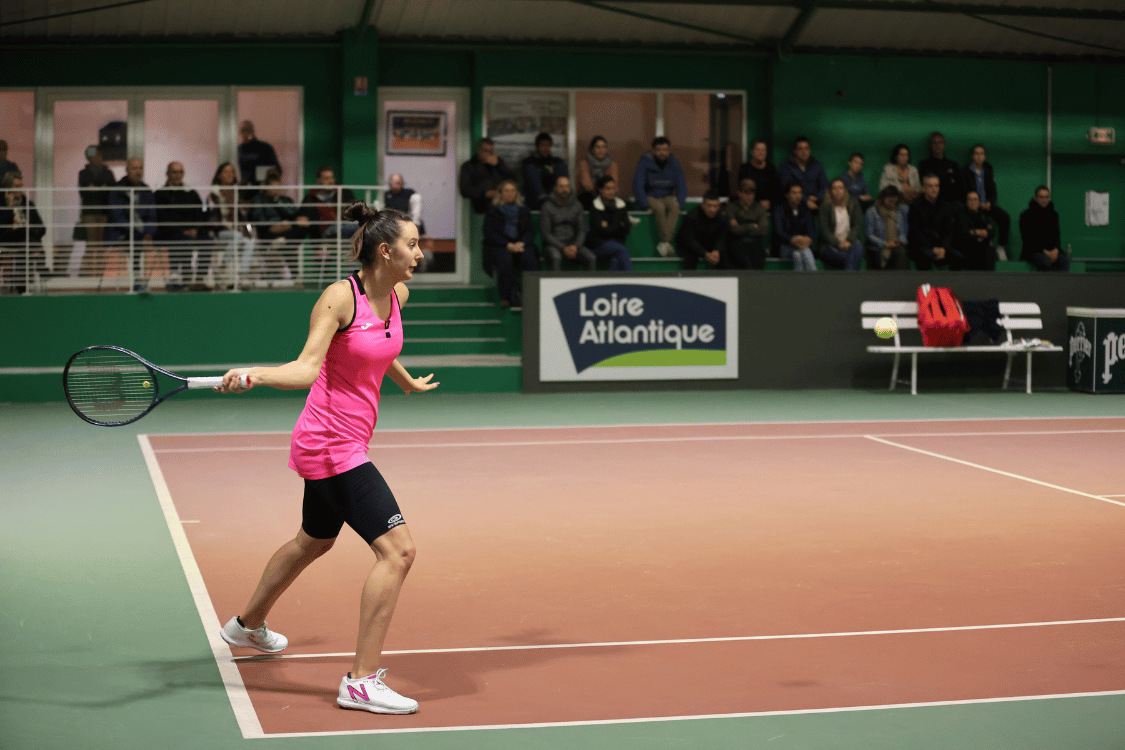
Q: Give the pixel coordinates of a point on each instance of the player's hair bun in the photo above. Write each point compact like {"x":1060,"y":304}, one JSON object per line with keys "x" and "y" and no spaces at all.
{"x":359,"y":212}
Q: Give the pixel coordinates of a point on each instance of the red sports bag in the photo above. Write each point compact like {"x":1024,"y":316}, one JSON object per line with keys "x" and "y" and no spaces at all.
{"x":940,"y":317}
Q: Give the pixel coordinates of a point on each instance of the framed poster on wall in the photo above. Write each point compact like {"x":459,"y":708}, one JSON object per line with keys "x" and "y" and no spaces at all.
{"x":416,"y":133}
{"x":514,"y":117}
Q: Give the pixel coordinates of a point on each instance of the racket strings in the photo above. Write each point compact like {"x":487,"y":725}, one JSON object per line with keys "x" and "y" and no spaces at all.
{"x":109,"y":386}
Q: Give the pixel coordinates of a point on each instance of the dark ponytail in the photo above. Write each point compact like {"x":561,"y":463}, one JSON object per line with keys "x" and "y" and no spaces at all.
{"x":375,"y":228}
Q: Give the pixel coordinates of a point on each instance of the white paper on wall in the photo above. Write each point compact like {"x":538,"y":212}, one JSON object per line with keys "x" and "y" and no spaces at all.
{"x":1097,"y":208}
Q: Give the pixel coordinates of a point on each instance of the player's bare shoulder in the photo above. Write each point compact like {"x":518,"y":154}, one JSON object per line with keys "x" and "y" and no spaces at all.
{"x":402,"y":292}
{"x":337,"y":301}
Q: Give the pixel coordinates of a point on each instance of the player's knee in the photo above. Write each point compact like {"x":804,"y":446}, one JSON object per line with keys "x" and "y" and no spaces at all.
{"x":406,"y":557}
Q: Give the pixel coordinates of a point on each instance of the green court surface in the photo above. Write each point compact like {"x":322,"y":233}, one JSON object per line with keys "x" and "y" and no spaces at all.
{"x":101,"y":645}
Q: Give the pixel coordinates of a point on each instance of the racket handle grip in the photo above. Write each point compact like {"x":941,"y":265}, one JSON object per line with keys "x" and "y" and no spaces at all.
{"x":215,"y":382}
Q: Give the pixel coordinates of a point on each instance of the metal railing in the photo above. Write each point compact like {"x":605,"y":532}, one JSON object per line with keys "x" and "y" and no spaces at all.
{"x":122,"y":239}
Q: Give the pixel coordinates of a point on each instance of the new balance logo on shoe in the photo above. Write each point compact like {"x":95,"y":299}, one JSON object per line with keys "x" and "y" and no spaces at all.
{"x":357,"y":693}
{"x":395,"y":520}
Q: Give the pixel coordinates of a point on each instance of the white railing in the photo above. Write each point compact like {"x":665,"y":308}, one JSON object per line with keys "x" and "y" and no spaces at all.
{"x":120,"y":239}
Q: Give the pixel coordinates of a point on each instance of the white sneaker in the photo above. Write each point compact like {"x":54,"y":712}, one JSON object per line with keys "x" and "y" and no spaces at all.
{"x":262,"y":639}
{"x":370,"y":694}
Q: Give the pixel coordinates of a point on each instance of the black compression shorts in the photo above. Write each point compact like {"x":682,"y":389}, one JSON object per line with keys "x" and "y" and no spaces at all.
{"x":359,"y":497}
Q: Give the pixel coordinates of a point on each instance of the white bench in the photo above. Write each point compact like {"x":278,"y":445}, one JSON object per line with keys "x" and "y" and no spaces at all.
{"x":1014,"y":316}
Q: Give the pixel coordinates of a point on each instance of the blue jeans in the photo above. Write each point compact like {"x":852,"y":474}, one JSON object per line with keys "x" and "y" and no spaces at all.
{"x":803,"y":259}
{"x":845,"y":259}
{"x":618,"y":255}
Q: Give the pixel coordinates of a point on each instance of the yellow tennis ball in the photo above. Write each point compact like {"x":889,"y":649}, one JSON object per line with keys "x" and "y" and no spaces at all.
{"x":885,"y":328}
{"x":147,"y":384}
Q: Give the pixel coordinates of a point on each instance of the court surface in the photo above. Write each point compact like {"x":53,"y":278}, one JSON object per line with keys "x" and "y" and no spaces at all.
{"x":752,"y":568}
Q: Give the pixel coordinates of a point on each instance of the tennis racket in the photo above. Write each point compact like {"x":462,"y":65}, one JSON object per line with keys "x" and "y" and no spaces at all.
{"x":109,"y":386}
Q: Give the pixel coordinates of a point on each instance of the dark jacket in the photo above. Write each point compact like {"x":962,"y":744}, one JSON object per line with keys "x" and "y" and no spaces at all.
{"x":931,"y":225}
{"x":969,"y":220}
{"x":1039,"y":229}
{"x":562,"y":224}
{"x":699,"y":235}
{"x":494,"y":232}
{"x":266,"y":213}
{"x":812,"y":179}
{"x":786,"y":225}
{"x":617,"y":222}
{"x":658,"y":180}
{"x":254,"y":154}
{"x":949,"y":173}
{"x":827,"y":224}
{"x":95,"y":201}
{"x":753,"y":223}
{"x":539,"y":175}
{"x":31,"y":229}
{"x":477,"y":178}
{"x":969,"y":182}
{"x":767,"y":182}
{"x":319,"y":207}
{"x":177,"y":209}
{"x":117,"y":220}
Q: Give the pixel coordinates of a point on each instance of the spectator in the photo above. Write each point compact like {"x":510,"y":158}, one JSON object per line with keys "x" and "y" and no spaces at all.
{"x":5,"y":165}
{"x":946,"y":169}
{"x":855,"y":182}
{"x":562,"y":222}
{"x":254,"y":156}
{"x":793,"y":229}
{"x":133,"y":204}
{"x":609,"y":226}
{"x":275,"y":218}
{"x":841,"y":227}
{"x":976,"y":236}
{"x":90,"y":231}
{"x":805,"y":170}
{"x":1039,"y":230}
{"x":481,"y":176}
{"x":230,"y":215}
{"x":180,"y":221}
{"x":932,"y":222}
{"x":979,"y":177}
{"x":900,"y":173}
{"x":659,"y":186}
{"x":402,"y":198}
{"x":21,"y":228}
{"x":322,"y":215}
{"x":749,"y":224}
{"x":887,"y":232}
{"x":767,"y":182}
{"x":540,"y":170}
{"x":508,"y":232}
{"x":703,"y":234}
{"x":596,"y":165}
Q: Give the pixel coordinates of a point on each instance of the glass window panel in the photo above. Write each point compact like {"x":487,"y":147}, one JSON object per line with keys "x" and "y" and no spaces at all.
{"x":277,"y":121}
{"x":706,"y":131}
{"x":17,"y":113}
{"x":627,"y":120}
{"x":79,"y":124}
{"x":186,"y":131}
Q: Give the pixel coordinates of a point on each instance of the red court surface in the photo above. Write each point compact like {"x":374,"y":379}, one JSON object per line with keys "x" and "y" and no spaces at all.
{"x":605,"y":574}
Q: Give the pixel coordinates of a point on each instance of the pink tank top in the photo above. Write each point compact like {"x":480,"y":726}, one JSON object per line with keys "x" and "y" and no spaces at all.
{"x":336,"y":425}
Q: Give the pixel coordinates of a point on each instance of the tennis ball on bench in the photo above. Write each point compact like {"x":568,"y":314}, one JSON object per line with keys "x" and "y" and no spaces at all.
{"x":885,"y":328}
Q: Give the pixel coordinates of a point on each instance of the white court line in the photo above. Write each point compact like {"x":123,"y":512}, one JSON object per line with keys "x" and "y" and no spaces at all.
{"x":655,"y":424}
{"x":995,"y":471}
{"x":611,"y":441}
{"x":753,"y":714}
{"x":236,"y":690}
{"x":676,"y":641}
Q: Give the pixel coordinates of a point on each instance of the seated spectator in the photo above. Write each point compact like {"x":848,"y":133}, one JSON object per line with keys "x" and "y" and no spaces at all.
{"x":321,"y":215}
{"x":767,"y":181}
{"x":481,"y":176}
{"x":946,"y":170}
{"x":1039,"y":230}
{"x":979,"y":177}
{"x":840,"y":229}
{"x":793,"y":229}
{"x":254,"y":157}
{"x":749,"y":225}
{"x":90,"y":232}
{"x":134,"y":204}
{"x":180,"y":221}
{"x":976,"y":236}
{"x":596,"y":165}
{"x":855,"y":182}
{"x":229,"y":212}
{"x":540,"y":170}
{"x":805,"y":170}
{"x":900,"y":173}
{"x":402,"y":198}
{"x":275,"y":219}
{"x":659,"y":186}
{"x":703,"y":234}
{"x":887,"y":231}
{"x":562,"y":223}
{"x":932,"y":223}
{"x":508,"y":235}
{"x":609,"y":226}
{"x":21,"y":229}
{"x":5,"y":165}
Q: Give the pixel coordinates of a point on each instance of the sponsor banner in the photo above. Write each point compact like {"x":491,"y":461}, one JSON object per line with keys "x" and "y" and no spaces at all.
{"x":1096,"y":350}
{"x":638,"y":329}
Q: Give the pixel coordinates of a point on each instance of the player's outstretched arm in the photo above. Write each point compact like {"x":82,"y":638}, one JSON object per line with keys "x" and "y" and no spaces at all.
{"x":409,"y":385}
{"x":331,"y":313}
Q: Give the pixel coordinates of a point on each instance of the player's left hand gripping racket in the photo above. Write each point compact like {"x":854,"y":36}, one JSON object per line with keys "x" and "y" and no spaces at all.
{"x":110,"y":386}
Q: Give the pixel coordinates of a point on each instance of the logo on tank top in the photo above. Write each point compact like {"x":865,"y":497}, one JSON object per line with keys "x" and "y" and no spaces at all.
{"x":395,"y":520}
{"x":365,"y":326}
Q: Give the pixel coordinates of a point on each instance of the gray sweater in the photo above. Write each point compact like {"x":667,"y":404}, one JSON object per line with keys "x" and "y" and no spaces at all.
{"x":562,"y":224}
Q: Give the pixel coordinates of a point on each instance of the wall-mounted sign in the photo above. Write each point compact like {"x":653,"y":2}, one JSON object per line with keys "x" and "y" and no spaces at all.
{"x":416,"y":133}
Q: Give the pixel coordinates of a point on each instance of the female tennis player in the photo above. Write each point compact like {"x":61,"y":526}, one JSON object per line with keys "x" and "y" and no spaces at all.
{"x":354,"y":338}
